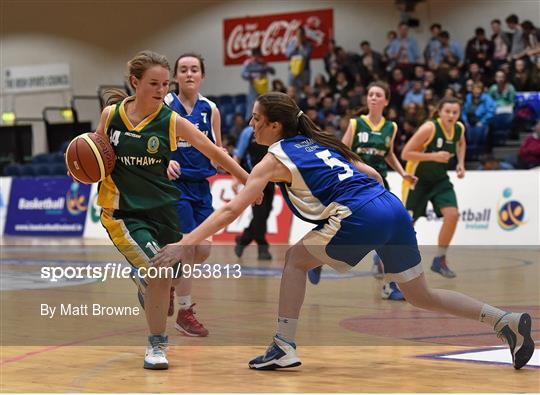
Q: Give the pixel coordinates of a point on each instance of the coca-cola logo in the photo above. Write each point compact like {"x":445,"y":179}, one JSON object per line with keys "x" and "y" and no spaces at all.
{"x":273,"y":33}
{"x":273,"y":40}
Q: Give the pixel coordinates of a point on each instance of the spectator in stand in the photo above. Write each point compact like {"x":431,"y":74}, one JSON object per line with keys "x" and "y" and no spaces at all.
{"x":327,"y":108}
{"x":517,"y":45}
{"x":319,"y":83}
{"x":239,"y":123}
{"x":404,"y":134}
{"x":255,"y":70}
{"x":293,"y":93}
{"x":480,"y":50}
{"x":531,"y":41}
{"x":455,"y":81}
{"x":475,"y":73}
{"x":449,"y":92}
{"x":451,"y":53}
{"x":340,"y":86}
{"x":299,"y":54}
{"x":535,"y":76}
{"x":430,"y":81}
{"x":529,"y":151}
{"x":521,"y":76}
{"x":414,"y":114}
{"x":389,"y":63}
{"x":433,"y":47}
{"x":398,"y":87}
{"x":415,"y":94}
{"x":501,"y":44}
{"x":404,"y":50}
{"x":312,"y":114}
{"x":469,"y":84}
{"x":478,"y":111}
{"x":502,"y":91}
{"x":278,"y":86}
{"x":372,"y":61}
{"x":356,"y":95}
{"x":429,"y":99}
{"x":330,"y":57}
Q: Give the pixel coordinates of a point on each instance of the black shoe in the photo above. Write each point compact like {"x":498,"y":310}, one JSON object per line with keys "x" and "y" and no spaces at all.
{"x":264,"y":254}
{"x":239,"y":247}
{"x":516,"y":331}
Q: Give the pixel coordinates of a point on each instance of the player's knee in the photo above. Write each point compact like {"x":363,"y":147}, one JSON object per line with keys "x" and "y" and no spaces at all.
{"x":451,"y":215}
{"x":203,"y":252}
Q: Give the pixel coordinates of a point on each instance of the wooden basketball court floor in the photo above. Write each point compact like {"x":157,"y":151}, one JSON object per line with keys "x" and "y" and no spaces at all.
{"x":349,"y":339}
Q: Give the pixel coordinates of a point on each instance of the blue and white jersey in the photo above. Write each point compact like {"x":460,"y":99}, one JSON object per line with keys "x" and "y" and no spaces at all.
{"x":193,"y":164}
{"x":324,"y":182}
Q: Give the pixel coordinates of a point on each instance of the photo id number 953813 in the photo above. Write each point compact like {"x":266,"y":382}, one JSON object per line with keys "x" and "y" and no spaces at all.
{"x":207,"y":270}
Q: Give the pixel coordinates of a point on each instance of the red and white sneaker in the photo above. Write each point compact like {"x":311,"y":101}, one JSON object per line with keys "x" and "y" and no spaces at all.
{"x":170,"y":312}
{"x":187,"y":324}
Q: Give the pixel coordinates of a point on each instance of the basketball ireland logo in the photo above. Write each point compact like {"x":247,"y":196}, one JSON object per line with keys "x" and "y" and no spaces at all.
{"x":74,"y":200}
{"x":153,"y":145}
{"x":511,"y":214}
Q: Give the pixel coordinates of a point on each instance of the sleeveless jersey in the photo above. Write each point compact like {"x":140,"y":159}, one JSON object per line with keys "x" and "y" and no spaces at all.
{"x":440,"y":140}
{"x":193,"y":164}
{"x":323,"y":180}
{"x":139,"y":179}
{"x":372,"y":143}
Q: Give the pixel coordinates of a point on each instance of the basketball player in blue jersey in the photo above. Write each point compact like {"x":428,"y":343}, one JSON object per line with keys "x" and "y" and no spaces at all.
{"x":325,"y":183}
{"x":190,"y":169}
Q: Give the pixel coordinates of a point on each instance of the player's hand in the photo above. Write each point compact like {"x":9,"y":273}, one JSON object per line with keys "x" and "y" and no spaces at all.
{"x":460,"y":170}
{"x":173,"y":170}
{"x":259,"y":200}
{"x":441,"y":156}
{"x":410,"y":178}
{"x":236,"y":185}
{"x":171,"y":254}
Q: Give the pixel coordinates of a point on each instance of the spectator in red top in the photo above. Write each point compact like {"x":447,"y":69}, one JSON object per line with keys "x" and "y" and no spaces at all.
{"x":529,"y":152}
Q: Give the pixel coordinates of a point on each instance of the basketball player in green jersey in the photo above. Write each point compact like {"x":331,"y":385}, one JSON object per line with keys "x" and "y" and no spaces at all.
{"x":138,"y":200}
{"x":428,"y":153}
{"x":372,"y":137}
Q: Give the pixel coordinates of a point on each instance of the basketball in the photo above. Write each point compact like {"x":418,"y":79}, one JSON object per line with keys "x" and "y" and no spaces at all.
{"x":90,"y":158}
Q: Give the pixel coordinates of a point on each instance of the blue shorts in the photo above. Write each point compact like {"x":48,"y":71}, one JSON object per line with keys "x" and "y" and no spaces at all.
{"x":382,"y":224}
{"x":195,"y":204}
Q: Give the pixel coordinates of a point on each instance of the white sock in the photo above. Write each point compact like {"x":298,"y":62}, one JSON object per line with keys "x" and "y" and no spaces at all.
{"x":184,"y":302}
{"x":492,"y":316}
{"x":287,"y":328}
{"x":441,"y":251}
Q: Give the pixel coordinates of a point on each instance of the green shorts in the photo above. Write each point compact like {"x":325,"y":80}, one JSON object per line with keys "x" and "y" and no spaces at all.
{"x":138,"y":235}
{"x":440,"y":193}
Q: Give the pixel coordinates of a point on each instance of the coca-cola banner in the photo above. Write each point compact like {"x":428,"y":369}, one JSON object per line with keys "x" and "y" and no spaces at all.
{"x":273,"y":32}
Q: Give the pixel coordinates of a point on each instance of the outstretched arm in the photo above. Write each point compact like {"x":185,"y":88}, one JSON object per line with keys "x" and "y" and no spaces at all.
{"x":187,"y":131}
{"x":259,"y":177}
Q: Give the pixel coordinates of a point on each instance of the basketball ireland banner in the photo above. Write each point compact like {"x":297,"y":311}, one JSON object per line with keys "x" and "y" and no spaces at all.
{"x":273,"y":32}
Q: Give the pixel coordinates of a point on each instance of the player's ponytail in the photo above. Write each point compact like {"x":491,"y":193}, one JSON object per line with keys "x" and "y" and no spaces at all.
{"x":278,"y":107}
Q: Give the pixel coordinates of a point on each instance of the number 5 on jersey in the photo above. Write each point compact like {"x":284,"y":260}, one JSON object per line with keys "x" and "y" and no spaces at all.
{"x":326,"y":156}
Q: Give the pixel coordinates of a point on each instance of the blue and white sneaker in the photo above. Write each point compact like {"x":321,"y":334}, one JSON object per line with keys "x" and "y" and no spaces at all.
{"x":391,"y":291}
{"x":377,"y":268}
{"x":439,"y":265}
{"x":279,"y":355}
{"x":156,"y":353}
{"x":314,"y":275}
{"x":515,"y":329}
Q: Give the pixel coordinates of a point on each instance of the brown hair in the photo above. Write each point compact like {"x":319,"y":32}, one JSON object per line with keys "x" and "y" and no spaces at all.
{"x":190,"y":55}
{"x":278,"y":107}
{"x":375,"y":84}
{"x":136,"y":67}
{"x":442,"y":102}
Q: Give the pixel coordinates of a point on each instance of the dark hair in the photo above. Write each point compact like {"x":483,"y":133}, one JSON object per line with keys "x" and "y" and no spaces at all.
{"x":190,"y":55}
{"x":442,"y":102}
{"x":527,"y":26}
{"x":444,"y":34}
{"x":435,"y":25}
{"x":256,"y":51}
{"x":496,"y":21}
{"x":136,"y":67}
{"x":513,"y":18}
{"x":278,"y":107}
{"x":479,"y":31}
{"x":364,"y":43}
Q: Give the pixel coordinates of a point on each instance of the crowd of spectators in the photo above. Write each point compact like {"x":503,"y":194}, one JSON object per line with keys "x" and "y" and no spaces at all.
{"x":485,"y":74}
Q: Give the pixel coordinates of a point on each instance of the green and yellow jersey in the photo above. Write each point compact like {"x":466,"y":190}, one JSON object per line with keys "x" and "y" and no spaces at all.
{"x":139,"y":179}
{"x":373,"y":142}
{"x":440,"y":140}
